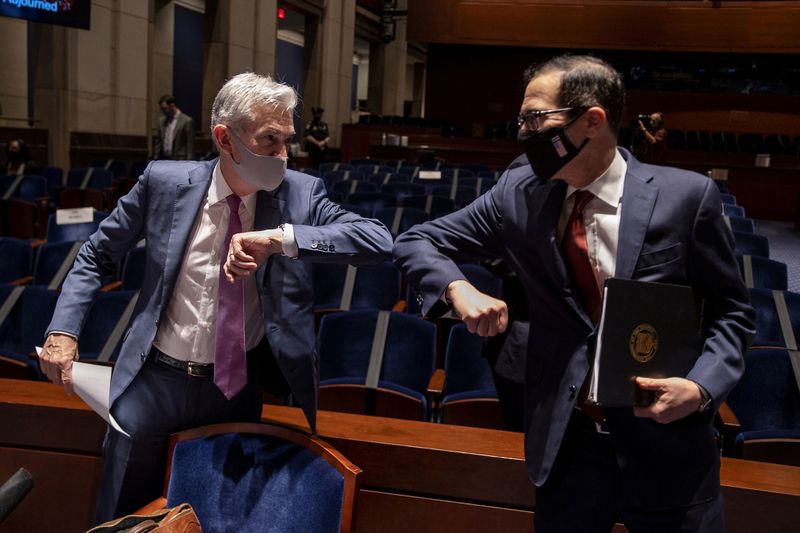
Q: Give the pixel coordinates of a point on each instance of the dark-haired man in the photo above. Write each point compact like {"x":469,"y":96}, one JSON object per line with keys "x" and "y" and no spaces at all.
{"x":583,"y":211}
{"x":175,"y":131}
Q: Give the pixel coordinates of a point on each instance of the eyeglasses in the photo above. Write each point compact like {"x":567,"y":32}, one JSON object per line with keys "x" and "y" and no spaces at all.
{"x":531,"y":118}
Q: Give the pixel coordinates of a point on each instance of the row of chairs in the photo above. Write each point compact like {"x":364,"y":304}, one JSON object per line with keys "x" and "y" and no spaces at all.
{"x":729,"y":142}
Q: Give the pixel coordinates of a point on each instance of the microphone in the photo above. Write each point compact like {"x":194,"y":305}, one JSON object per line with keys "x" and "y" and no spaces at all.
{"x":14,"y":491}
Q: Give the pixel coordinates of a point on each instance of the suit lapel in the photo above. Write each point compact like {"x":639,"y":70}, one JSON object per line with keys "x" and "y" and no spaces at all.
{"x":269,"y":208}
{"x":189,"y":198}
{"x":638,"y":201}
{"x":544,"y":203}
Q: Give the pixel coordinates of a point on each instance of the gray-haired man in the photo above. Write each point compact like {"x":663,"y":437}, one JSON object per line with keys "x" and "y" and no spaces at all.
{"x":180,"y":366}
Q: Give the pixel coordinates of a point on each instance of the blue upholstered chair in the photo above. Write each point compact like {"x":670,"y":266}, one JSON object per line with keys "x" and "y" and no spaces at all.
{"x":72,"y":232}
{"x":372,"y":201}
{"x":458,"y":172}
{"x":768,"y":327}
{"x":367,"y":168}
{"x":402,"y":190}
{"x":327,"y":167}
{"x":348,"y":349}
{"x":766,"y":403}
{"x":493,"y":175}
{"x":433,"y":206}
{"x":104,"y":315}
{"x":260,"y":478}
{"x":727,"y":198}
{"x":762,"y":273}
{"x":408,"y":217}
{"x":49,"y":260}
{"x":750,"y":244}
{"x":374,"y":287}
{"x":348,"y":187}
{"x":364,"y":161}
{"x":54,"y":177}
{"x":731,"y":210}
{"x":469,"y":395}
{"x":15,"y":259}
{"x":311,"y":172}
{"x":333,"y":176}
{"x":361,"y":210}
{"x":384,"y":177}
{"x":24,"y":327}
{"x":100,"y":178}
{"x":741,"y":224}
{"x":119,"y":169}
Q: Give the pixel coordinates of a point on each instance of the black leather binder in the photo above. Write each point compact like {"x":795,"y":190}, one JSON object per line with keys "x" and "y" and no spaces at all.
{"x":646,"y":329}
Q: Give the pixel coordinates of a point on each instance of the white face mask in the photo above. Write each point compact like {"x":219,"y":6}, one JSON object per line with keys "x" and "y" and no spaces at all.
{"x":259,"y":171}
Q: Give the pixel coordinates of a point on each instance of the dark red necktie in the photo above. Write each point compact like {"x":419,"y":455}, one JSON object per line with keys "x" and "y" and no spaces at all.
{"x":230,"y":365}
{"x":576,"y":253}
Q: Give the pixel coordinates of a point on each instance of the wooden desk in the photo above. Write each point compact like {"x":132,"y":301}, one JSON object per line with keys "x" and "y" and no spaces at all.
{"x":417,"y":476}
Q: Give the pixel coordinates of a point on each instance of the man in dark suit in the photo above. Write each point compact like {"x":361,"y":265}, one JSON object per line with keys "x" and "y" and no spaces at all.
{"x":197,"y":344}
{"x":584,"y":211}
{"x":175,"y":131}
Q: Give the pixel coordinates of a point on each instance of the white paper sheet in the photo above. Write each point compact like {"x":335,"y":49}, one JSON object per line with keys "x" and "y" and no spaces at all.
{"x":93,"y":384}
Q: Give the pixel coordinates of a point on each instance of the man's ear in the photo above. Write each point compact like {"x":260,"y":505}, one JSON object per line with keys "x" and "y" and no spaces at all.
{"x":223,"y":137}
{"x":596,"y":118}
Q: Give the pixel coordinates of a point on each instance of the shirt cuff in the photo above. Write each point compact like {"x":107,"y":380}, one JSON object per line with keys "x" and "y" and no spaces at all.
{"x":63,"y":333}
{"x":288,"y":244}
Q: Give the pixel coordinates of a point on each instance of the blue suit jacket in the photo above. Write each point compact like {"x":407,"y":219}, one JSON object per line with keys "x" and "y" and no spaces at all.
{"x":671,"y":231}
{"x":162,"y":208}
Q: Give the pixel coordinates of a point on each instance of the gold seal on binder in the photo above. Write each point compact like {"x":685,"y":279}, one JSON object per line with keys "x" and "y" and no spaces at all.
{"x":644,"y":343}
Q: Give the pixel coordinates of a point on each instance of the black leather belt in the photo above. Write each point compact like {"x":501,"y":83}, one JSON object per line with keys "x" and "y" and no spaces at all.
{"x":200,"y":370}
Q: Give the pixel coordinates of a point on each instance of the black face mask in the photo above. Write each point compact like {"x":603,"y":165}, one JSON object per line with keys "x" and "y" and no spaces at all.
{"x":167,"y":113}
{"x":549,"y":149}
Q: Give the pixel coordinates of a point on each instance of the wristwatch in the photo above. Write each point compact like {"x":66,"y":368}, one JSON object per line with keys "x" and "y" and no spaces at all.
{"x":706,"y":401}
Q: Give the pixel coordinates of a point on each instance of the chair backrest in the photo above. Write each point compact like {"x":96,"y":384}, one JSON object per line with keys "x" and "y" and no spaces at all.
{"x":741,"y":224}
{"x":768,"y":326}
{"x":762,"y":273}
{"x":72,"y":232}
{"x":15,"y":259}
{"x":732,"y":210}
{"x":374,"y":287}
{"x":372,"y":200}
{"x":750,"y":244}
{"x":408,"y":217}
{"x":727,"y":198}
{"x":361,"y":210}
{"x":766,"y":396}
{"x":50,"y":259}
{"x":260,"y":477}
{"x":400,"y":189}
{"x":353,"y":186}
{"x":31,"y":187}
{"x":434,"y":206}
{"x":327,"y":167}
{"x":465,"y":368}
{"x":25,"y":326}
{"x":345,"y":345}
{"x":106,"y":311}
{"x":100,"y":178}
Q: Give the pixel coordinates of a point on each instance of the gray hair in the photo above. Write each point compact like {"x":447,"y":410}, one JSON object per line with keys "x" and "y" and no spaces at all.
{"x":234,"y":103}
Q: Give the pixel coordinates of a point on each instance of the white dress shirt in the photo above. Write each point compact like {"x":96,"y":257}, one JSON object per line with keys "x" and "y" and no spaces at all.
{"x":601,"y":218}
{"x":187,"y":330}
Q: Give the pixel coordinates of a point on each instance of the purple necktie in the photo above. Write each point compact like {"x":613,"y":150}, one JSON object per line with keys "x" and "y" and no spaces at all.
{"x":230,"y":365}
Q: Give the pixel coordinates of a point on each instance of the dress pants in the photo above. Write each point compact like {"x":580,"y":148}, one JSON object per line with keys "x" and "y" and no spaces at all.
{"x":582,"y":492}
{"x":161,"y":400}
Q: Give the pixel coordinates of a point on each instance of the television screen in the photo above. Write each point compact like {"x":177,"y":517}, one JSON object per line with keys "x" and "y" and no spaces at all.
{"x":73,"y":13}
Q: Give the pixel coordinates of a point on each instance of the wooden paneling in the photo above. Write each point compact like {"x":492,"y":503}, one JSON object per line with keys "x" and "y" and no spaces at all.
{"x":417,"y":476}
{"x":606,"y":24}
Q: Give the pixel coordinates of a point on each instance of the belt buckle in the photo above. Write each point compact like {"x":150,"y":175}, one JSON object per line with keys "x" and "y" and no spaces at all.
{"x":195,"y":369}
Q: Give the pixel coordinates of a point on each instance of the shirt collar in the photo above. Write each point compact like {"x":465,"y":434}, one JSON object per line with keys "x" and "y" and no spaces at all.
{"x":220,"y":190}
{"x":609,"y":185}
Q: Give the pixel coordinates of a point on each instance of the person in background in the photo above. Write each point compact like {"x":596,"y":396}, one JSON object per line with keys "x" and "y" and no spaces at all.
{"x":18,"y":158}
{"x":582,"y":211}
{"x":317,"y":137}
{"x":200,"y":348}
{"x":653,"y":138}
{"x":175,"y":132}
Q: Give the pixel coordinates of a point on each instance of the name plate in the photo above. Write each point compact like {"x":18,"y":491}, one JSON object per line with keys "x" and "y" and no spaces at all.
{"x":79,"y":215}
{"x":430,"y":174}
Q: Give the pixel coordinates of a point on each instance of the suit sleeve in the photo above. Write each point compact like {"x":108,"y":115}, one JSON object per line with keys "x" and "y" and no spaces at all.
{"x":427,"y":253}
{"x":189,"y":131}
{"x":98,"y":257}
{"x":335,"y":235}
{"x":728,"y":317}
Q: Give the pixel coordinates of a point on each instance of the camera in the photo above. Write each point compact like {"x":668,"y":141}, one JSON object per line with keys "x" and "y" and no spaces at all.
{"x":644,"y":119}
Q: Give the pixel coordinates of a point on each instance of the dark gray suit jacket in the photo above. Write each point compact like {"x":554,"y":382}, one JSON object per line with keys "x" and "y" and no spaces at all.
{"x":162,"y":208}
{"x":182,"y":144}
{"x":671,"y":231}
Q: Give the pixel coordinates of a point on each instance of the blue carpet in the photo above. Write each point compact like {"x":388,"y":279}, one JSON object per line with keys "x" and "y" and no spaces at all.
{"x":784,"y":246}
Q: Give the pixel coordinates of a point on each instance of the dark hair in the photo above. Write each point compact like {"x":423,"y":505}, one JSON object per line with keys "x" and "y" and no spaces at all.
{"x":166,"y":99}
{"x":586,"y":81}
{"x":24,"y":152}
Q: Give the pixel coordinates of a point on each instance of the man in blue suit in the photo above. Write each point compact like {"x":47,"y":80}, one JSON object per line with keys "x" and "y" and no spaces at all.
{"x":198,"y":345}
{"x":585,"y":210}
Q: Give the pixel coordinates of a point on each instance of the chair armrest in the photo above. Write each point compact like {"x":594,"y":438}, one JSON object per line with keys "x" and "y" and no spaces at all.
{"x":400,"y":306}
{"x":436,"y":383}
{"x":27,"y":280}
{"x":37,"y":243}
{"x":729,"y":420}
{"x":113,"y":286}
{"x":155,"y":505}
